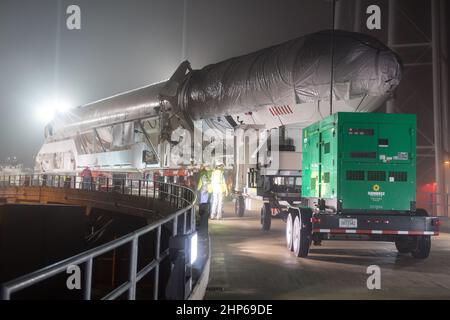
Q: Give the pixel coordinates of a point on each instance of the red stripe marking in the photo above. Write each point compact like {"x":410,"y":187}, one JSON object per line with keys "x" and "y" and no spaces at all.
{"x":337,"y":230}
{"x":270,"y":109}
{"x":364,"y":231}
{"x":290,"y":109}
{"x":416,"y":232}
{"x":370,"y":231}
{"x":390,"y":232}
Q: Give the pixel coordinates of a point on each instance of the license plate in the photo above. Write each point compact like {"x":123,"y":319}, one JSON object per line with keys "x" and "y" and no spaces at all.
{"x":348,"y":223}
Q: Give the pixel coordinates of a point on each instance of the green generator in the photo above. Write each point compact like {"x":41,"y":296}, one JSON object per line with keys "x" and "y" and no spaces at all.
{"x":359,"y":183}
{"x":360,"y":162}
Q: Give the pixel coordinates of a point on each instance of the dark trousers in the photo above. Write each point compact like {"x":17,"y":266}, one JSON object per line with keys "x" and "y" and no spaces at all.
{"x":204,"y":215}
{"x":87,"y":183}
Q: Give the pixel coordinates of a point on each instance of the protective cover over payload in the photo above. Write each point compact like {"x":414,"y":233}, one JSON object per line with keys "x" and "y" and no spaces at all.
{"x":292,"y":73}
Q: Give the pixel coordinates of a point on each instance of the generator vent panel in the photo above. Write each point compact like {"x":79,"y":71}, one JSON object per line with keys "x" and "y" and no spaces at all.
{"x":364,"y":161}
{"x":355,"y":175}
{"x":376,"y":176}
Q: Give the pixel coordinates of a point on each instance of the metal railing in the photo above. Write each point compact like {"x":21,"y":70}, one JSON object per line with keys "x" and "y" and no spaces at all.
{"x":181,"y":221}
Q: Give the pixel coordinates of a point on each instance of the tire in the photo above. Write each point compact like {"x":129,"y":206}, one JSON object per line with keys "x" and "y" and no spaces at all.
{"x":300,"y":238}
{"x":421,"y":212}
{"x":266,"y":217}
{"x":403,"y":245}
{"x":422,"y":247}
{"x":239,"y":206}
{"x":289,"y":231}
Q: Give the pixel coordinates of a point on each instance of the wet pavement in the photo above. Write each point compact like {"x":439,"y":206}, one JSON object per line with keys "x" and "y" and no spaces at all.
{"x":248,"y":263}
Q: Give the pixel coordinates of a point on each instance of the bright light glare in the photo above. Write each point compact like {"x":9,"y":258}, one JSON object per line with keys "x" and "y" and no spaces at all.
{"x":48,"y":109}
{"x":194,"y":247}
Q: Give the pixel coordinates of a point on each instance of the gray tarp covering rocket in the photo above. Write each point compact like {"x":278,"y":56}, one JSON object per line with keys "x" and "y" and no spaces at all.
{"x":292,"y":73}
{"x":297,"y":71}
{"x":285,"y":84}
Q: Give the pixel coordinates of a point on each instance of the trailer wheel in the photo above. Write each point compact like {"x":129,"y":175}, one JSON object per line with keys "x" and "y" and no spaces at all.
{"x":422,"y":247}
{"x":239,"y":206}
{"x":289,"y":231}
{"x":266,"y":217}
{"x":301,"y":239}
{"x":421,"y":212}
{"x":403,"y":245}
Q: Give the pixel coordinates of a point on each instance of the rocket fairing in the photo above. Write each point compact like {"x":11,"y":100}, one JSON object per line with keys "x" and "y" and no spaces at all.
{"x":294,"y":73}
{"x":291,"y":74}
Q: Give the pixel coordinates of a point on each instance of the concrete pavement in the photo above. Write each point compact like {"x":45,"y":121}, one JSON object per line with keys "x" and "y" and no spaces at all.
{"x":248,"y":263}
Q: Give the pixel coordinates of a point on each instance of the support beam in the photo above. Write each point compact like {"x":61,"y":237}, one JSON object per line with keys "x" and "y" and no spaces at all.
{"x":444,"y":77}
{"x":357,"y":20}
{"x":425,"y":147}
{"x":390,"y":104}
{"x":445,"y":98}
{"x":99,"y":140}
{"x":417,"y":64}
{"x":437,"y":105}
{"x":409,"y":45}
{"x":149,"y":141}
{"x":338,"y":15}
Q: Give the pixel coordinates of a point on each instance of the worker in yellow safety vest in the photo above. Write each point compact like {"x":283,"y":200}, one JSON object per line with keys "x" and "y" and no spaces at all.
{"x":219,"y":188}
{"x":204,"y":184}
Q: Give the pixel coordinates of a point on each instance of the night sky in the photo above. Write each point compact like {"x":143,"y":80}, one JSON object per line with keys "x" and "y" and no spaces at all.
{"x":124,"y":45}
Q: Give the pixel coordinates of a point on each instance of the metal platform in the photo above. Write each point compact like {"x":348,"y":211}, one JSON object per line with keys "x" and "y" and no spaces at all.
{"x":170,"y":213}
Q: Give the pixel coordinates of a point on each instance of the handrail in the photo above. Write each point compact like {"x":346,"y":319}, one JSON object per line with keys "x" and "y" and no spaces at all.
{"x":182,"y":197}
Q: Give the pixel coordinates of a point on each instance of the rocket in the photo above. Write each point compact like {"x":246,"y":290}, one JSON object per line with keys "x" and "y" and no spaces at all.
{"x":286,"y":82}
